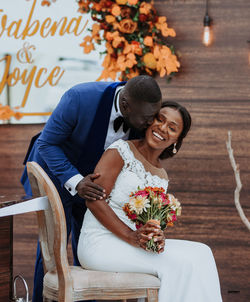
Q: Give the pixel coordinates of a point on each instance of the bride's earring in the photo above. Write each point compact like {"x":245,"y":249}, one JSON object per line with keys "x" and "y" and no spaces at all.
{"x":174,"y":149}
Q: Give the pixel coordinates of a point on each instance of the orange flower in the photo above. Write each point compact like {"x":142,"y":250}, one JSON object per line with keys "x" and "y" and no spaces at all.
{"x":97,"y":7}
{"x":136,"y":48}
{"x":127,"y":48}
{"x":5,"y":112}
{"x":117,"y":41}
{"x":126,"y":12}
{"x":95,"y":29}
{"x":148,"y":71}
{"x":145,"y":8}
{"x":132,"y":2}
{"x":87,"y":44}
{"x":163,"y":27}
{"x":83,"y":6}
{"x":110,"y":19}
{"x":125,"y":61}
{"x":148,"y":41}
{"x":131,"y":60}
{"x":109,"y":48}
{"x":133,"y":74}
{"x":127,"y":26}
{"x":170,"y":224}
{"x":106,"y":61}
{"x":167,"y":62}
{"x":121,"y":2}
{"x":18,"y":115}
{"x":121,"y":62}
{"x":109,"y":70}
{"x":115,"y":38}
{"x":149,"y":60}
{"x":109,"y":36}
{"x":45,"y":2}
{"x":116,"y":10}
{"x":157,"y":52}
{"x":95,"y":32}
{"x":107,"y":74}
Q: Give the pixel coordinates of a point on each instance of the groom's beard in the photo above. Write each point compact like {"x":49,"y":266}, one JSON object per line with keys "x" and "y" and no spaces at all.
{"x":139,"y":132}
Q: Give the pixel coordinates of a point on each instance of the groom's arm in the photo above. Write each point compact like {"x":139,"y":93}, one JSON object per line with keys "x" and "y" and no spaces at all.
{"x":56,"y":131}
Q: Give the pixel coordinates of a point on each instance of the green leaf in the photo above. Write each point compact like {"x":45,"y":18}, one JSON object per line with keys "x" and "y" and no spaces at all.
{"x":136,"y":17}
{"x":127,"y":70}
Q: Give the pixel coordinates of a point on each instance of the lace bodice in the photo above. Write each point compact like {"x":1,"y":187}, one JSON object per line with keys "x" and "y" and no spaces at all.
{"x":132,"y":175}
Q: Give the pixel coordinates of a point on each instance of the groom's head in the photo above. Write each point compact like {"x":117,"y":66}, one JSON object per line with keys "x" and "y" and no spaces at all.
{"x":139,"y":101}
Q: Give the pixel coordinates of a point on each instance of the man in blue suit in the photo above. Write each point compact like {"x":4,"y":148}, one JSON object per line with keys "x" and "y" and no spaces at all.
{"x":88,"y":118}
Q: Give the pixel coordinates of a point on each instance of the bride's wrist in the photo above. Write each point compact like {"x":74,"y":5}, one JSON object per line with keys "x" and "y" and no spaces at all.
{"x":131,"y":237}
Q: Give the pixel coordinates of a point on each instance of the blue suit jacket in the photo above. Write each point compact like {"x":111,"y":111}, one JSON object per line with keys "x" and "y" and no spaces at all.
{"x":73,"y":139}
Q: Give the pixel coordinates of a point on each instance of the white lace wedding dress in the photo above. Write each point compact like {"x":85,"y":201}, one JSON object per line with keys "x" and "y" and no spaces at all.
{"x":187,"y":269}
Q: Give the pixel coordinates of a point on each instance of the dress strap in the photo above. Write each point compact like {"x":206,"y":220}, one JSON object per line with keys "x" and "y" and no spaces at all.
{"x":125,"y":152}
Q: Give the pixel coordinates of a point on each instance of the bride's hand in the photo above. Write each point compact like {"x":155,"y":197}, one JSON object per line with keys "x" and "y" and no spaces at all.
{"x":140,"y":237}
{"x":157,"y":235}
{"x":159,"y":238}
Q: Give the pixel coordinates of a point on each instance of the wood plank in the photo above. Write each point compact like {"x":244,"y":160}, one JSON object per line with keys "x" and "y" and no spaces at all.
{"x":6,"y":263}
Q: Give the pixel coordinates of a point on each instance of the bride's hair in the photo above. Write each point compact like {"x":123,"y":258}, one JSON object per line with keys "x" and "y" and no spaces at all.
{"x":186,"y":118}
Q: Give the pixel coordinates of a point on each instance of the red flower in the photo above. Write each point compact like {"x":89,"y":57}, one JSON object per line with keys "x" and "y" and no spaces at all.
{"x":138,"y":226}
{"x":108,"y":3}
{"x":142,"y":17}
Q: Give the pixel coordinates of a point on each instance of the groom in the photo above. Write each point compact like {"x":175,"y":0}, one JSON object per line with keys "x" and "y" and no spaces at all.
{"x":88,"y":118}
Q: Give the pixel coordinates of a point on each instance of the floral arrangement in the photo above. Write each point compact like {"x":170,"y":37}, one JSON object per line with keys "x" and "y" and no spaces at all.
{"x":134,"y":37}
{"x":152,"y":204}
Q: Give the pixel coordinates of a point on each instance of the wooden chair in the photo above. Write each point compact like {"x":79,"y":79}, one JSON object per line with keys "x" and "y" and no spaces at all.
{"x":66,"y":283}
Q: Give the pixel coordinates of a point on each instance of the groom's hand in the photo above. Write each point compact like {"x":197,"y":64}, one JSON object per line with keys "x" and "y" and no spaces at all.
{"x":87,"y":189}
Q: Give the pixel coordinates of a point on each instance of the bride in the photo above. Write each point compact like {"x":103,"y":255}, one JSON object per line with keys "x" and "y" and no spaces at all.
{"x":109,"y":241}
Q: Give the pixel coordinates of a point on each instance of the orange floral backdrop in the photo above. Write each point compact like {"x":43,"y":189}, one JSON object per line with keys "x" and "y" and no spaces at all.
{"x":135,"y":38}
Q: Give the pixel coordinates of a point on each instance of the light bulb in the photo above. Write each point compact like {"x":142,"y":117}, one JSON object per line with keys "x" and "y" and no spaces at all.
{"x":206,"y":36}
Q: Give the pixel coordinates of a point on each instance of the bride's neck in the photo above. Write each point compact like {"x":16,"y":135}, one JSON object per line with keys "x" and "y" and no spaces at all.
{"x":151,"y":155}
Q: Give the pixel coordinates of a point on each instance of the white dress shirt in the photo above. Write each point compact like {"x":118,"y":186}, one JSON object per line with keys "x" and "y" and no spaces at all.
{"x":112,"y":136}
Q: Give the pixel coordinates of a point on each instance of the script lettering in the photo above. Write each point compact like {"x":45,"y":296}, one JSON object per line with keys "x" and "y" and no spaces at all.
{"x":28,"y":77}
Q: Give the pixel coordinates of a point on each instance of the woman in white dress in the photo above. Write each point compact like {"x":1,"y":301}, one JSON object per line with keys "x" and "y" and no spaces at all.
{"x":109,"y":241}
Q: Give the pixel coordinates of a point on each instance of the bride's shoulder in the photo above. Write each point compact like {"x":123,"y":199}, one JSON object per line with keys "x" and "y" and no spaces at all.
{"x":120,"y":144}
{"x":123,"y":149}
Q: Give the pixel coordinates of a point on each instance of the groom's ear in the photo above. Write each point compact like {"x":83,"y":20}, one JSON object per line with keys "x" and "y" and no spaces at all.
{"x":124,"y":104}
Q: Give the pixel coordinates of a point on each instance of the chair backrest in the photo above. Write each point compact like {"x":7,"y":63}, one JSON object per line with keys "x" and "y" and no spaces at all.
{"x":52,"y":227}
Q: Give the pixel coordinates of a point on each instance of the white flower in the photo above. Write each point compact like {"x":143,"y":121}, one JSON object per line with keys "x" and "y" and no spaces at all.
{"x":174,"y":201}
{"x":139,"y":203}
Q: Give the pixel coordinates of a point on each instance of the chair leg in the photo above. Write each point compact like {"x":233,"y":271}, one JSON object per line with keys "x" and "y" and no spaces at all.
{"x":152,"y":295}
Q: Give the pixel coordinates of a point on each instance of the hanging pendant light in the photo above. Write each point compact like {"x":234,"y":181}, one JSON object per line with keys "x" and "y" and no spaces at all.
{"x":207,"y":32}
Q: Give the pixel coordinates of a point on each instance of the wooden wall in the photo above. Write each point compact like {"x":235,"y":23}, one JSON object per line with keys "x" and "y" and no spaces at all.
{"x":6,"y":231}
{"x":214,"y":85}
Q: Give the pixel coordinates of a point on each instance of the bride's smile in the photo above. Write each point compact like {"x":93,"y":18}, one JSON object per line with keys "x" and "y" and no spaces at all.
{"x":165,"y":129}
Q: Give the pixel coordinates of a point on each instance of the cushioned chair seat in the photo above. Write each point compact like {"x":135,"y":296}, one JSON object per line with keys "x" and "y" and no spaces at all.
{"x":86,"y":279}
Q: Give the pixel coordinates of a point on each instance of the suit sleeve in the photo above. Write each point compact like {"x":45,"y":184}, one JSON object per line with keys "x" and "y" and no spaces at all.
{"x":58,"y":129}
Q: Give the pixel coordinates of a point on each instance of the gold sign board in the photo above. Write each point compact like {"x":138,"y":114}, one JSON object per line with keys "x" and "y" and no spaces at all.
{"x":41,"y":57}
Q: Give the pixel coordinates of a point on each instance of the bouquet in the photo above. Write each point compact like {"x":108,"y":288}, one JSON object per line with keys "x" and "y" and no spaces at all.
{"x":152,"y":205}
